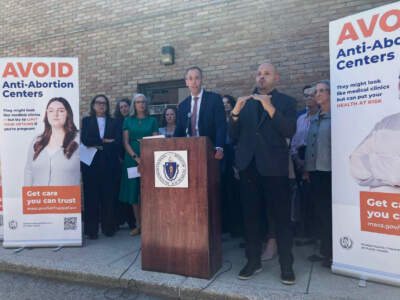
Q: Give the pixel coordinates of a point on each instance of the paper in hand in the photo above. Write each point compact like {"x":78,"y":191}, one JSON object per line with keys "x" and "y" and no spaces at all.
{"x":86,"y":154}
{"x":133,"y":172}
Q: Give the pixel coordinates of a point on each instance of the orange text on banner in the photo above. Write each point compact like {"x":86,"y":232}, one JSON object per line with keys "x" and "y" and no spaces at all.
{"x":380,"y":212}
{"x":51,"y":199}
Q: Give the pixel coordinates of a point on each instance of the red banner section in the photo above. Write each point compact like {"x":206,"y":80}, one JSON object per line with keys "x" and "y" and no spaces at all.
{"x":51,"y":199}
{"x":380,"y":212}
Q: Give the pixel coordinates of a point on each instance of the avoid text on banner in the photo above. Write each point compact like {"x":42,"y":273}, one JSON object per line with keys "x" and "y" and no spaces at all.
{"x":365,"y":100}
{"x":40,"y":166}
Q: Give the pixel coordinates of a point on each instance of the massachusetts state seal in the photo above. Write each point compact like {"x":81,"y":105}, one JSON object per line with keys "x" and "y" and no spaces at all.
{"x":171,"y":169}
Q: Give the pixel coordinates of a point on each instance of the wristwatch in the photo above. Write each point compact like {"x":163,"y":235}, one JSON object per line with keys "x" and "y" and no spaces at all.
{"x":134,"y":156}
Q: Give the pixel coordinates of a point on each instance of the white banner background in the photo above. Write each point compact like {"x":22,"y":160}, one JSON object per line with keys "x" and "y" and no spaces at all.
{"x":362,"y":69}
{"x":43,"y":229}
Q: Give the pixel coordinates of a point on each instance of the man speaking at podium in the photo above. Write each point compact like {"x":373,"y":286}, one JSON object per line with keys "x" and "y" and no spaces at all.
{"x":261,"y":123}
{"x":202,"y":113}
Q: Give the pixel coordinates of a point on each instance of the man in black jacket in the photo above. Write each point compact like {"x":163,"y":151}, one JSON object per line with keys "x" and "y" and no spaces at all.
{"x":261,"y":123}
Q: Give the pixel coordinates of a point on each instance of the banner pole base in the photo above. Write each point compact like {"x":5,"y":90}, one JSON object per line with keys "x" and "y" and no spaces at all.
{"x":362,"y":283}
{"x":58,"y":248}
{"x":19,"y":250}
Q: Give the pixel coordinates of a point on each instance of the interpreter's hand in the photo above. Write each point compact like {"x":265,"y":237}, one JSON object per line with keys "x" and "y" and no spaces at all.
{"x":265,"y":100}
{"x":306,"y":177}
{"x":108,"y":141}
{"x":219,"y":154}
{"x":241,"y":101}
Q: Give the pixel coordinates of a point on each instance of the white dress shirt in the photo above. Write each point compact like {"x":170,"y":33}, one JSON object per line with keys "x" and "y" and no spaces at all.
{"x":198,"y":109}
{"x":101,"y":122}
{"x":52,"y":168}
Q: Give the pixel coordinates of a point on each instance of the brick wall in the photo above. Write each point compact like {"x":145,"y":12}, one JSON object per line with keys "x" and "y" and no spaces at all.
{"x":118,"y":42}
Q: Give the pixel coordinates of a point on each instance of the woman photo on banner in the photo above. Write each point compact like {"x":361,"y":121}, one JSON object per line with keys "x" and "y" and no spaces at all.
{"x":53,"y":156}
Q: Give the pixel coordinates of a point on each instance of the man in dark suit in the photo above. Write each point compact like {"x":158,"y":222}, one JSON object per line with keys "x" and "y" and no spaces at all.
{"x":202,"y":113}
{"x":261,"y":123}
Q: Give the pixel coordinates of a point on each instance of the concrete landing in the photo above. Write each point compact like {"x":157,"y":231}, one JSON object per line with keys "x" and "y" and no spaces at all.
{"x":116,"y":262}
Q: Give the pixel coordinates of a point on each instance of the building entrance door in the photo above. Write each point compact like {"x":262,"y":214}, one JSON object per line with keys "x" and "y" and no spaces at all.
{"x":163,"y":94}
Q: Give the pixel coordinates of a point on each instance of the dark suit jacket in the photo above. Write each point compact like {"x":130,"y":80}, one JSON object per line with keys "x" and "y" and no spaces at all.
{"x":212,"y":121}
{"x":264,"y":138}
{"x":90,"y":137}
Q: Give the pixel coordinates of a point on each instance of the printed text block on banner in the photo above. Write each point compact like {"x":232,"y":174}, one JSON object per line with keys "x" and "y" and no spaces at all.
{"x":380,"y":212}
{"x":51,"y":199}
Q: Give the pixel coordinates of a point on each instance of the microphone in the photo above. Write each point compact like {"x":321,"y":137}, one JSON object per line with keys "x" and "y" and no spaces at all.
{"x":189,"y":116}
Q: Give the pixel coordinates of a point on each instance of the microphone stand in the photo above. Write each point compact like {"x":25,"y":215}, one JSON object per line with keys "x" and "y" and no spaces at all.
{"x":189,"y":115}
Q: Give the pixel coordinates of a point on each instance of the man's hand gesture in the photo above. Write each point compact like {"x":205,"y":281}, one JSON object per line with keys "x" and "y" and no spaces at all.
{"x":241,"y":101}
{"x":265,"y":100}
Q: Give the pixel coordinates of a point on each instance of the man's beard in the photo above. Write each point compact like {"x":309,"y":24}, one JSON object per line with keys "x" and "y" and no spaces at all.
{"x":262,"y":88}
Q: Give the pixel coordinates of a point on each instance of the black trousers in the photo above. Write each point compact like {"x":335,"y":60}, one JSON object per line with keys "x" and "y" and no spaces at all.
{"x":231,"y":212}
{"x":308,"y":226}
{"x":99,"y":194}
{"x":270,"y":192}
{"x":321,"y":186}
{"x":123,"y":211}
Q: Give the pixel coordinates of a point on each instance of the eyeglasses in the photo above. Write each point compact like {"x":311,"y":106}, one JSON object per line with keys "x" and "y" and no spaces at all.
{"x":100,"y":103}
{"x":309,"y":95}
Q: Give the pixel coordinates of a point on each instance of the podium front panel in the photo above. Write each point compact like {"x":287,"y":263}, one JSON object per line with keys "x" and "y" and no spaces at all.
{"x":181,"y":226}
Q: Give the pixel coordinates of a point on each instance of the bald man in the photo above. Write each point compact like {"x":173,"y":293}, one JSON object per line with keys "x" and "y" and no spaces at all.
{"x":261,"y":123}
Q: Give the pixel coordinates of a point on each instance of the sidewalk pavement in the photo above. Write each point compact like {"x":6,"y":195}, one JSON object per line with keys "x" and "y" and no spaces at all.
{"x":103,"y":261}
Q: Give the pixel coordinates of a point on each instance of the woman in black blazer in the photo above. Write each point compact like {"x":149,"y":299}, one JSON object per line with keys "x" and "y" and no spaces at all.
{"x":102,"y":132}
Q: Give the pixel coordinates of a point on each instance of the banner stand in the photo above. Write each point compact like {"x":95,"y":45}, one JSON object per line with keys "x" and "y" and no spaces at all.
{"x":40,"y":161}
{"x":365,"y":109}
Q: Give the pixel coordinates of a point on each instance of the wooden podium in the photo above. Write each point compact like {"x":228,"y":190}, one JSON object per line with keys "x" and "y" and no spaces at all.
{"x":181,"y":227}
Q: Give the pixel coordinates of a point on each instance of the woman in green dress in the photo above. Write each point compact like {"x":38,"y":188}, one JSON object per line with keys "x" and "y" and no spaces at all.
{"x":138,"y":125}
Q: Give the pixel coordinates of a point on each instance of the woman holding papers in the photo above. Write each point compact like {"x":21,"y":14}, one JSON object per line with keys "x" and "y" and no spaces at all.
{"x":103,"y":133}
{"x":138,"y":125}
{"x":53,"y":156}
